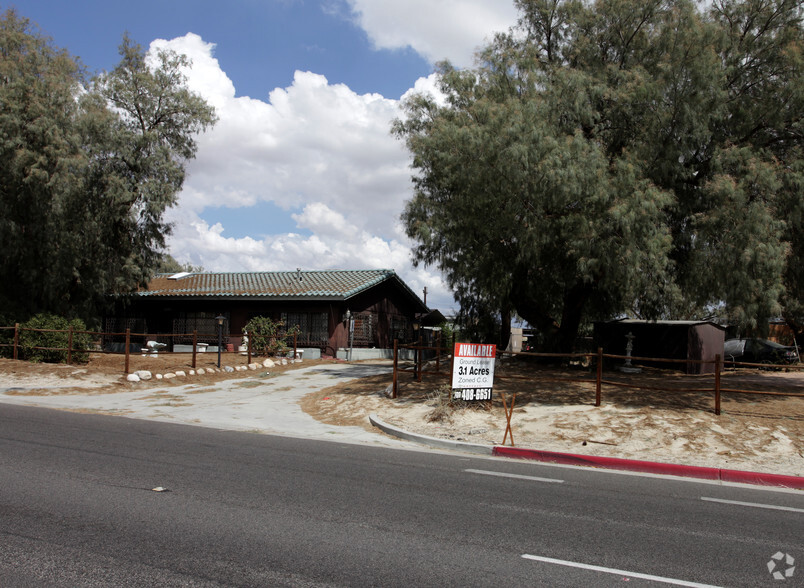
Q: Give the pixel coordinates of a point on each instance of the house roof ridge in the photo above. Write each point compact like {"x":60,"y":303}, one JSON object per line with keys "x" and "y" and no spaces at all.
{"x":280,"y":284}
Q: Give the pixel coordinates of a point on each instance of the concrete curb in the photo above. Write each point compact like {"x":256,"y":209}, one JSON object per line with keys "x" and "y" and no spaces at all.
{"x":670,"y":469}
{"x":431,"y":441}
{"x":613,"y":463}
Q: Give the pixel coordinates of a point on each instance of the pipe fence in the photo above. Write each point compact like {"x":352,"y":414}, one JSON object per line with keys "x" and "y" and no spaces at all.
{"x":127,"y":344}
{"x":706,"y":383}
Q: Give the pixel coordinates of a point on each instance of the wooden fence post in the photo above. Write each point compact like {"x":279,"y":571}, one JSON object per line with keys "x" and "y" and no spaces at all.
{"x":396,"y":373}
{"x":294,"y":346}
{"x":419,"y":360}
{"x":451,"y":369}
{"x":70,"y":346}
{"x":128,"y":345}
{"x":599,"y":378}
{"x":717,"y":384}
{"x":438,"y":353}
{"x":248,"y":348}
{"x":195,"y":345}
{"x":16,"y":340}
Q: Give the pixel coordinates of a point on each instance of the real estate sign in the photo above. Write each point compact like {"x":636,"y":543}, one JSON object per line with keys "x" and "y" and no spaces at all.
{"x":473,"y":371}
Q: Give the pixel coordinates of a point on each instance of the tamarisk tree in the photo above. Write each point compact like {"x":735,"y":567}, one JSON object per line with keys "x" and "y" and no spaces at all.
{"x":636,"y":157}
{"x":87,"y":170}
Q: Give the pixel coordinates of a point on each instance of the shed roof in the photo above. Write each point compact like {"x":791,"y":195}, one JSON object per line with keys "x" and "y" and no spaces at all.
{"x":286,"y":285}
{"x":688,"y":323}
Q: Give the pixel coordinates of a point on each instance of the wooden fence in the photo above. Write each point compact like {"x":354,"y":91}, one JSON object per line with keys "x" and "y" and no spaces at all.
{"x":127,"y":348}
{"x":596,"y":362}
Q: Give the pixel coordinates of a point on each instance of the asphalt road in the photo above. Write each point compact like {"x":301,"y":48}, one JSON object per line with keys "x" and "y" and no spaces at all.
{"x":77,"y":508}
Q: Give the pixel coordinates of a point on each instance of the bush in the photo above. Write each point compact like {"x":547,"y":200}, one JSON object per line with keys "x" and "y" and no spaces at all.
{"x":45,"y":337}
{"x":268,"y":337}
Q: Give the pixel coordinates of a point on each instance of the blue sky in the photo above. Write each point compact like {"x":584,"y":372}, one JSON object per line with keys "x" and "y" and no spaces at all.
{"x":301,"y":169}
{"x":260,"y":43}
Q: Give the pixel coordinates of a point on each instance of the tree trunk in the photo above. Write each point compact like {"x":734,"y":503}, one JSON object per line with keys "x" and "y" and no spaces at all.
{"x":505,"y":330}
{"x":559,"y":337}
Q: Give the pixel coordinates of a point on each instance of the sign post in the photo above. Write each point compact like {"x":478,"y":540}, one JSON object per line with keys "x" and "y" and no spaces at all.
{"x":473,"y":371}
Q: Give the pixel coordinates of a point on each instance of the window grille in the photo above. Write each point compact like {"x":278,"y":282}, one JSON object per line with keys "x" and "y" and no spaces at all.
{"x":365,"y":334}
{"x":313,"y":328}
{"x":401,"y":329}
{"x":205,"y":323}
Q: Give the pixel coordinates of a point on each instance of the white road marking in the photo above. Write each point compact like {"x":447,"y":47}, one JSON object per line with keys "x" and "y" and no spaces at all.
{"x":573,"y":564}
{"x":516,"y":476}
{"x":600,"y":471}
{"x":753,"y":504}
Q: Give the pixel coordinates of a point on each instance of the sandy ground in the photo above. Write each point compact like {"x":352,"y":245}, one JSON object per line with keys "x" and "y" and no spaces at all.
{"x":553,"y":409}
{"x":754,"y":433}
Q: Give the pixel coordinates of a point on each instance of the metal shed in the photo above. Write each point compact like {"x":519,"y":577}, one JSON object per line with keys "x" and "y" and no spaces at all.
{"x":690,"y":340}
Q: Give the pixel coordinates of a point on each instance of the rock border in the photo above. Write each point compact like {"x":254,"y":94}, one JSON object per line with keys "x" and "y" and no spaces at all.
{"x":145,"y":375}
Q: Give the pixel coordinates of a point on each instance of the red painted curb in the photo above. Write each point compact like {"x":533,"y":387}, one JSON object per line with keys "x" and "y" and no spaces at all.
{"x":796,"y":482}
{"x":616,"y":463}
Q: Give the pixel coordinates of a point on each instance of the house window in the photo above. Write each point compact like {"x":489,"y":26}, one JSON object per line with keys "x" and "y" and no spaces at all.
{"x":205,"y":323}
{"x":313,"y":330}
{"x":401,"y":329}
{"x":365,"y":329}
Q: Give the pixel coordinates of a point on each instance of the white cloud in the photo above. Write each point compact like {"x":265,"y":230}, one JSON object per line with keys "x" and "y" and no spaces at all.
{"x":437,"y":30}
{"x":318,"y":150}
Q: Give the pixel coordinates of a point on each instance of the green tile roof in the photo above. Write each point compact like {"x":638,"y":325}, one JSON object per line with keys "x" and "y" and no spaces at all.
{"x":328,"y":284}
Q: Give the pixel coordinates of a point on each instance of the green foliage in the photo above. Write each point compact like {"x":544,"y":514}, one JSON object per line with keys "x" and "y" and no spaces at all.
{"x":612,"y":158}
{"x":87,"y":170}
{"x":40,"y":162}
{"x":269,"y":337}
{"x":448,"y":332}
{"x":46,"y":337}
{"x":169,"y":265}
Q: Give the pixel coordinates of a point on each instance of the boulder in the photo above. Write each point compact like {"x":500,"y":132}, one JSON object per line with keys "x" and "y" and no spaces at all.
{"x":181,"y":374}
{"x":269,"y":363}
{"x":228,"y":369}
{"x":144,"y":374}
{"x":201,"y":371}
{"x":133,"y":378}
{"x":169,"y":376}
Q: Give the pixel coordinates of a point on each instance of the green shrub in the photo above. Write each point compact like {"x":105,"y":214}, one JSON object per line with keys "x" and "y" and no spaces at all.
{"x":45,"y":338}
{"x":268,"y":337}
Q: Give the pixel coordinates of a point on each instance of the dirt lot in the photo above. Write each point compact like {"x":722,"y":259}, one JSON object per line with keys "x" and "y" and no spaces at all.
{"x":553,"y":410}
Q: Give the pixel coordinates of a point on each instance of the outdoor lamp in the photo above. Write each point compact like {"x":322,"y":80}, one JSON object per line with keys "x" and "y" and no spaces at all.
{"x":220,"y":318}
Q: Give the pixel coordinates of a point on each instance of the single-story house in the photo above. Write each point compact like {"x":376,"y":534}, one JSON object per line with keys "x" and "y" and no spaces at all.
{"x":688,"y":340}
{"x":381,"y":305}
